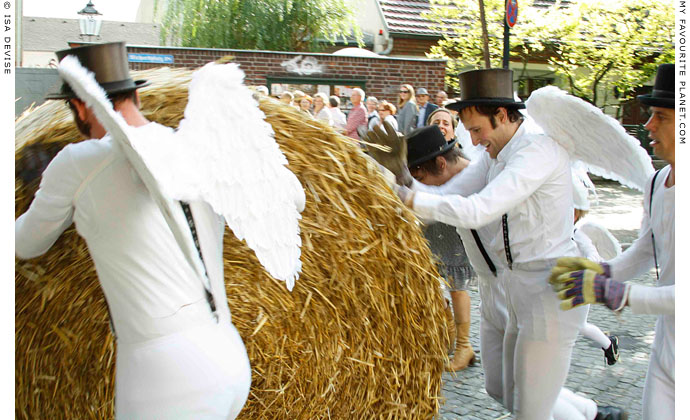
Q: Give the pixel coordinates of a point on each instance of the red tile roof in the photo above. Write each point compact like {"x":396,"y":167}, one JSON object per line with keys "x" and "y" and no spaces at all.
{"x":405,"y":16}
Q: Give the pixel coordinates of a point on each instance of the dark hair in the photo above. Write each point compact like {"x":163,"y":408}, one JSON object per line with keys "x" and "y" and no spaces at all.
{"x":430,"y":166}
{"x":334,"y":101}
{"x":491,"y":111}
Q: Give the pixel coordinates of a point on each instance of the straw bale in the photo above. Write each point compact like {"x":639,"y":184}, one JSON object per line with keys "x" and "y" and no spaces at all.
{"x":361,"y":336}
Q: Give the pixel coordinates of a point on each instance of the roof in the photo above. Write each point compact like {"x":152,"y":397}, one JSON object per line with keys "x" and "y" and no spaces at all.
{"x":53,"y":34}
{"x":405,"y":16}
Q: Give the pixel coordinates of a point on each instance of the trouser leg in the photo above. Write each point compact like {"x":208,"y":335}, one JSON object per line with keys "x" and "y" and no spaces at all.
{"x":544,"y":337}
{"x":491,"y":345}
{"x":493,"y":320}
{"x":658,"y":397}
{"x":585,"y":408}
{"x":595,"y":334}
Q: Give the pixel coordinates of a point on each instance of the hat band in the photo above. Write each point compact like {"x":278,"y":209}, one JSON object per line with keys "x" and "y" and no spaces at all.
{"x":663,"y":94}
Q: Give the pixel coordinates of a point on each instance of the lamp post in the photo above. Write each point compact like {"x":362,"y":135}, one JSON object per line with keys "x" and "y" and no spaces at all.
{"x":89,"y":22}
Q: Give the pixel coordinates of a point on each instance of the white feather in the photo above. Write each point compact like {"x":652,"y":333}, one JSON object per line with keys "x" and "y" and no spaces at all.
{"x":606,"y":244}
{"x":225,"y":153}
{"x":591,"y":136}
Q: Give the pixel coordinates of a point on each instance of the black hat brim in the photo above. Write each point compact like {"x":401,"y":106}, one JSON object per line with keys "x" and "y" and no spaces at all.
{"x":650,"y":100}
{"x":504,"y":102}
{"x":433,"y":155}
{"x":68,"y":93}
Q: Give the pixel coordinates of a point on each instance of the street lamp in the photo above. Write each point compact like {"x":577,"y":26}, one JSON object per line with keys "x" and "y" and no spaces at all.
{"x":89,"y":22}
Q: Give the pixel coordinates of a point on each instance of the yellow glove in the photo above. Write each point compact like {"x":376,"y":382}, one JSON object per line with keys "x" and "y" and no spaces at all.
{"x":568,"y":264}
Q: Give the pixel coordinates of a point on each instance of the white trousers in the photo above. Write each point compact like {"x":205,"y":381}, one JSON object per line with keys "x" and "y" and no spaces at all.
{"x":658,"y":397}
{"x":199,"y":373}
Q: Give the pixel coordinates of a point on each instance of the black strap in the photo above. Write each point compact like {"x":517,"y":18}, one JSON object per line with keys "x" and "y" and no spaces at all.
{"x":506,"y":241}
{"x":490,"y":263}
{"x":651,"y":196}
{"x":192,"y":226}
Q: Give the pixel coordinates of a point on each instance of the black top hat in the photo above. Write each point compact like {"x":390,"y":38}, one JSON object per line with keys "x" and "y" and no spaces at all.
{"x":426,"y":143}
{"x":489,"y":87}
{"x":109,"y":64}
{"x":663,"y":94}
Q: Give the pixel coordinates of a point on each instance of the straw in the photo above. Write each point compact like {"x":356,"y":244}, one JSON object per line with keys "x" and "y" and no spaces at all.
{"x":361,"y":336}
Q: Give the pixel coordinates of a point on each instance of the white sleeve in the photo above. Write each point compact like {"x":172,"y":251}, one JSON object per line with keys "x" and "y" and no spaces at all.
{"x":652,"y":300}
{"x":526,"y":171}
{"x":51,"y":211}
{"x":639,"y":258}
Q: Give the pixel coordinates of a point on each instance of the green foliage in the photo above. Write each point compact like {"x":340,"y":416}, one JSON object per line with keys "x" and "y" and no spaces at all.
{"x":593,"y":45}
{"x":276,"y":25}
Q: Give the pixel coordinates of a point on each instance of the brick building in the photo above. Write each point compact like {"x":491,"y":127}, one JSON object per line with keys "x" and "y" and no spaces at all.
{"x":332,"y":74}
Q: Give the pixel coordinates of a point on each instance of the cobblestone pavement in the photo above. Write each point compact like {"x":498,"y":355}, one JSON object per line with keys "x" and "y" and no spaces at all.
{"x":619,"y":209}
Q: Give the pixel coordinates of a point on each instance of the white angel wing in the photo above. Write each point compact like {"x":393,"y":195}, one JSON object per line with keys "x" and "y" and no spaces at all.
{"x":591,"y":136}
{"x":224,"y":153}
{"x":606,"y":244}
{"x":85,"y":86}
{"x":582,"y":186}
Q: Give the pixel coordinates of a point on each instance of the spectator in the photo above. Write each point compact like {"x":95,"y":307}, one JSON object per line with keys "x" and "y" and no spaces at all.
{"x":441,"y":98}
{"x":305,"y":105}
{"x":443,"y":118}
{"x":357,"y":115}
{"x":286,"y":97}
{"x":372,"y":116}
{"x":387,"y":114}
{"x":339,"y":121}
{"x":321,"y":111}
{"x":407,"y":104}
{"x":425,"y":107}
{"x":298,"y":94}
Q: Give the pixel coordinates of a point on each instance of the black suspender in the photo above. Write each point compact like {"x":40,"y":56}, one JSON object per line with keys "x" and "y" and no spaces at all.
{"x":506,"y":241}
{"x":490,"y":263}
{"x":190,"y":220}
{"x":651,"y":196}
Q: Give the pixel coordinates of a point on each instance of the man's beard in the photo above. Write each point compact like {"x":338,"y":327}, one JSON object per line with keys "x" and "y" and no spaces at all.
{"x":83,"y":126}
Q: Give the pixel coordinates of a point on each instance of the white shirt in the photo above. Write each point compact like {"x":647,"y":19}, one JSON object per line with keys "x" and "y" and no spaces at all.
{"x":324,"y":115}
{"x":529,"y":180}
{"x":144,"y":275}
{"x":339,"y":118}
{"x":639,"y":258}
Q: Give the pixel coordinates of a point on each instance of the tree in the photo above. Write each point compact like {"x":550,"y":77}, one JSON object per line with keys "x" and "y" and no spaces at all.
{"x":597,"y":47}
{"x":277,"y":25}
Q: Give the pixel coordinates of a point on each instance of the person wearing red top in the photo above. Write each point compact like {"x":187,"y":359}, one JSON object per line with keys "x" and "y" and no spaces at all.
{"x":357,"y":115}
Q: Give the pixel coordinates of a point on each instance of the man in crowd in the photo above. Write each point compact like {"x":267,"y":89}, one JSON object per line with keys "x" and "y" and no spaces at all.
{"x":441,"y":98}
{"x":425,"y":107}
{"x":358,"y":114}
{"x":178,"y":354}
{"x":580,"y":281}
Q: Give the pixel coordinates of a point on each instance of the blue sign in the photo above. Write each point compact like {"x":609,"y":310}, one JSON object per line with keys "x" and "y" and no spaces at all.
{"x":150,"y":58}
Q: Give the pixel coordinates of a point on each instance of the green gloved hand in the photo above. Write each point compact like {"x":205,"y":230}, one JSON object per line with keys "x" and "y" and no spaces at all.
{"x":391,"y":151}
{"x":567,"y":264}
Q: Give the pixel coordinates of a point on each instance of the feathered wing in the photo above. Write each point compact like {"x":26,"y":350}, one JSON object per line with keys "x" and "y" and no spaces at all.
{"x":88,"y":90}
{"x":606,"y":244}
{"x":224,"y":153}
{"x":591,"y":136}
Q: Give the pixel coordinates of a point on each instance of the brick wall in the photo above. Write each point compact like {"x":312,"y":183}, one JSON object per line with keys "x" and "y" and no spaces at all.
{"x":382,"y":76}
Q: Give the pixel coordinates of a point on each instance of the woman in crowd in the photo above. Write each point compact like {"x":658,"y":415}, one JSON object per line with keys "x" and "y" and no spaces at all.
{"x":305,"y":105}
{"x":372,"y":116}
{"x":321,"y":111}
{"x":407,"y":117}
{"x":387,"y":114}
{"x":339,"y":118}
